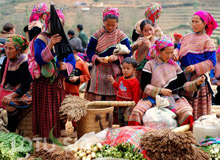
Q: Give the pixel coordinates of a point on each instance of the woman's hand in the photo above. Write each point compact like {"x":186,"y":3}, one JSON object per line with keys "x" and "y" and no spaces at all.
{"x":175,"y":58}
{"x":53,"y":40}
{"x":101,"y":60}
{"x":166,"y":92}
{"x":112,"y":58}
{"x":73,"y":79}
{"x":7,"y":99}
{"x":190,"y":68}
{"x":200,"y":80}
{"x":63,"y":66}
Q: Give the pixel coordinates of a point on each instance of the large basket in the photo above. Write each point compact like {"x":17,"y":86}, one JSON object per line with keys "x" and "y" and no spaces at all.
{"x":99,"y":116}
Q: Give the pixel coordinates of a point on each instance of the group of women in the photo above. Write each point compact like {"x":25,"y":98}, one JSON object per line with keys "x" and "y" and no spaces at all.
{"x":157,"y":70}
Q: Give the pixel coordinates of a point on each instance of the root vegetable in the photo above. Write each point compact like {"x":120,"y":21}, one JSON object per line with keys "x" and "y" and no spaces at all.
{"x":93,"y":155}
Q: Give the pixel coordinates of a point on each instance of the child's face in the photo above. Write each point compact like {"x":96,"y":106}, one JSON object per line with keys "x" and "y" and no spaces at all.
{"x":127,"y":70}
{"x":167,"y":53}
{"x":148,"y":30}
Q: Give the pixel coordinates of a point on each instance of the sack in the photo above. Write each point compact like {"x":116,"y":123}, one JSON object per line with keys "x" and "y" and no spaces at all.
{"x":208,"y":125}
{"x":159,"y":117}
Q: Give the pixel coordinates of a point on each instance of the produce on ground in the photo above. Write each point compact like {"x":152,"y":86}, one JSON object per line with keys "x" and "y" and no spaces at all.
{"x":73,"y":108}
{"x":165,"y":144}
{"x":13,"y":146}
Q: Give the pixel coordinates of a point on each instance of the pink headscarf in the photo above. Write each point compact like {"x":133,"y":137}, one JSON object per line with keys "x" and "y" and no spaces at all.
{"x":60,"y":15}
{"x":112,"y":11}
{"x":160,"y":43}
{"x":209,"y":20}
{"x":37,"y":11}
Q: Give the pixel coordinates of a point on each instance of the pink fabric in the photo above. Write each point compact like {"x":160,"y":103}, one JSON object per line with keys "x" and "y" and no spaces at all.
{"x":112,"y":11}
{"x":209,"y":20}
{"x":37,"y":11}
{"x":33,"y":66}
{"x":69,"y":68}
{"x":160,"y":43}
{"x":46,"y":55}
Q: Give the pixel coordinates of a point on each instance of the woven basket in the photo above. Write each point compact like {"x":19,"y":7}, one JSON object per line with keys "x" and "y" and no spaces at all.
{"x":98,"y":117}
{"x":25,"y":124}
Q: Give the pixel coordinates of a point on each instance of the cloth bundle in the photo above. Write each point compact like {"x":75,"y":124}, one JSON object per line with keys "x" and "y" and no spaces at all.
{"x":121,"y":49}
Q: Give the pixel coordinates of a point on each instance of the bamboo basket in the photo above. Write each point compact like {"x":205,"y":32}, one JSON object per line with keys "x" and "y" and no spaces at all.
{"x":25,"y":124}
{"x":99,"y":116}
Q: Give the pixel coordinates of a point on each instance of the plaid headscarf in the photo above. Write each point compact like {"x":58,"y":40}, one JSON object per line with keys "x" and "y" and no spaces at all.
{"x":153,"y":12}
{"x":37,"y":11}
{"x":112,"y":11}
{"x":160,"y":43}
{"x":19,"y":41}
{"x":209,"y":20}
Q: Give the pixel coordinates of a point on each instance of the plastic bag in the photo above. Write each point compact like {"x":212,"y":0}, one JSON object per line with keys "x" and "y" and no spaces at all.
{"x":208,"y":125}
{"x":160,"y":117}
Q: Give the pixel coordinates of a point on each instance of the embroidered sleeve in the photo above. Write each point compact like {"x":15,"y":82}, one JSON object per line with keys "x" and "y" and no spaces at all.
{"x":91,"y":50}
{"x":203,"y":67}
{"x":70,"y":62}
{"x":152,"y":91}
{"x":190,"y":86}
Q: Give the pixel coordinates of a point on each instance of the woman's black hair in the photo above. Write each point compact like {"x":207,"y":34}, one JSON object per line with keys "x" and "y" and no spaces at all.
{"x":8,"y":26}
{"x":162,"y":49}
{"x":110,"y":16}
{"x":144,"y":22}
{"x":203,"y":22}
{"x":131,"y":61}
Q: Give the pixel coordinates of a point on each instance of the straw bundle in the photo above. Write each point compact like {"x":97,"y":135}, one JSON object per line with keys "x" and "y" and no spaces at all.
{"x":166,"y":144}
{"x":73,"y":108}
{"x":52,"y":152}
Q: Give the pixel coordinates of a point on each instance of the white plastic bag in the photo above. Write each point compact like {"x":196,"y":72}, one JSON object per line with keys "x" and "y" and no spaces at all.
{"x":160,"y":117}
{"x":208,"y":125}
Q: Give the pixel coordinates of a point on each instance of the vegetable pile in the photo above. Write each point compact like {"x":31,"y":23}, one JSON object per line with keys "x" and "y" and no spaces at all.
{"x":13,"y":146}
{"x":123,"y":150}
{"x":73,"y":108}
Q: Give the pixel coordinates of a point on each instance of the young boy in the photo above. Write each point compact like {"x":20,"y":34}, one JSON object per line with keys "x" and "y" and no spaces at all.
{"x":79,"y":75}
{"x":128,"y":88}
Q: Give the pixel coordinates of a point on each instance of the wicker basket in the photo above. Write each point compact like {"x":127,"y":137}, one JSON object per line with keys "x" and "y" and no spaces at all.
{"x":96,"y":119}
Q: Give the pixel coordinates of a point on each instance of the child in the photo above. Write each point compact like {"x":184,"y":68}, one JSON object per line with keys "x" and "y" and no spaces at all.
{"x":215,"y":78}
{"x":79,"y":75}
{"x":140,"y":48}
{"x":128,"y":88}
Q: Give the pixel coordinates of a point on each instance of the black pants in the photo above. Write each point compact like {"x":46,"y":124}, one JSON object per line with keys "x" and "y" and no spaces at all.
{"x":12,"y":121}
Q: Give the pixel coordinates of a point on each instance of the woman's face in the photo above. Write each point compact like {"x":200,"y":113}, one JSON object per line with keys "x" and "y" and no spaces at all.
{"x":148,"y":30}
{"x":110,"y":24}
{"x":167,"y":53}
{"x":11,"y":51}
{"x":197,"y":24}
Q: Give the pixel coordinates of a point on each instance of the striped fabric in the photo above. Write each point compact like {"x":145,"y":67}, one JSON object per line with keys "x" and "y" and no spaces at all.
{"x":190,"y":86}
{"x":196,"y":44}
{"x":46,"y":101}
{"x":203,"y":67}
{"x":201,"y":103}
{"x":128,"y":134}
{"x":46,"y":54}
{"x":153,"y":12}
{"x":99,"y":83}
{"x":217,"y":70}
{"x":107,"y":40}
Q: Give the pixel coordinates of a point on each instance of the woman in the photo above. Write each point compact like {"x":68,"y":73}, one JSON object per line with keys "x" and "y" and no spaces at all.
{"x":100,"y":52}
{"x":162,"y":76}
{"x":48,"y":91}
{"x":140,"y":48}
{"x":152,"y":13}
{"x":35,"y":26}
{"x":197,"y":55}
{"x":15,"y":79}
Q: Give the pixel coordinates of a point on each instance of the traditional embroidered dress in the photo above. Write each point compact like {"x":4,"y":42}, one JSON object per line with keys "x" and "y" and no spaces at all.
{"x":47,"y":95}
{"x":155,"y":76}
{"x":102,"y":44}
{"x":198,"y":50}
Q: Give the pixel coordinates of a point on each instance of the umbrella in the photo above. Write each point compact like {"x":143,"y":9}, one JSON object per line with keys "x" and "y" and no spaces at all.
{"x":62,"y":48}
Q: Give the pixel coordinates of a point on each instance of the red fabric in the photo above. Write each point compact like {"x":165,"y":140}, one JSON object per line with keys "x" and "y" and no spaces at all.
{"x":46,"y":102}
{"x":177,"y":35}
{"x":189,"y":120}
{"x":128,"y":89}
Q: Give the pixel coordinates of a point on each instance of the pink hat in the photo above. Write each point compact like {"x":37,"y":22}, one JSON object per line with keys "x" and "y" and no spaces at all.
{"x":112,"y":11}
{"x":37,"y":11}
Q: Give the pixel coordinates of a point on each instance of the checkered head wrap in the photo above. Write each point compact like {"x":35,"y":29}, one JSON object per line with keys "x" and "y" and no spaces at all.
{"x":153,"y":12}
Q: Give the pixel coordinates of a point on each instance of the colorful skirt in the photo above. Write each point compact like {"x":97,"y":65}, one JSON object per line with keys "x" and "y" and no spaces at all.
{"x":46,"y":102}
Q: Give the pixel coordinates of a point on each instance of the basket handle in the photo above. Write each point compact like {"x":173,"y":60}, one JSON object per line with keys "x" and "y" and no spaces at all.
{"x":109,"y":118}
{"x":98,"y":118}
{"x":112,"y":103}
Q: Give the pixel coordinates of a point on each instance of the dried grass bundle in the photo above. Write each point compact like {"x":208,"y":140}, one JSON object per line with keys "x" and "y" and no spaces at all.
{"x":165,"y":144}
{"x":52,"y":152}
{"x":73,"y":108}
